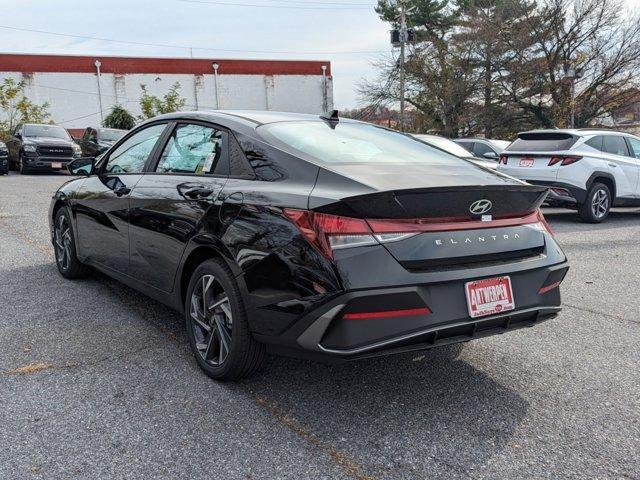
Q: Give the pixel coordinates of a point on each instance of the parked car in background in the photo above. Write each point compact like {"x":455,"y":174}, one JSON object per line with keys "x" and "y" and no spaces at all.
{"x":589,"y":170}
{"x":453,"y":148}
{"x":95,"y":141}
{"x":328,"y":238}
{"x":36,"y":147}
{"x":483,"y":147}
{"x":4,"y":159}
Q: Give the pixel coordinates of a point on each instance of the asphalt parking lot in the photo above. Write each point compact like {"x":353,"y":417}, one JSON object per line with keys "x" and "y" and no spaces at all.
{"x":96,"y":381}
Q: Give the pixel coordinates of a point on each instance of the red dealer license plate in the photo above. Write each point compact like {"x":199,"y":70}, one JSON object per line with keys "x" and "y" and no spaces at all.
{"x":489,"y":296}
{"x":526,"y":162}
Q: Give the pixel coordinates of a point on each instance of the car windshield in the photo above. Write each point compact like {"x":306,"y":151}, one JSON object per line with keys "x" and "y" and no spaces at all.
{"x":111,"y":134}
{"x":445,"y":144}
{"x":354,"y":143}
{"x":53,"y":131}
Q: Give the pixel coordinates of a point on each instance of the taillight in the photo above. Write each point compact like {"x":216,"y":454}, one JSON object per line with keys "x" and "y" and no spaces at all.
{"x":503,"y":159}
{"x":331,"y":232}
{"x":563,"y":160}
{"x":545,"y":224}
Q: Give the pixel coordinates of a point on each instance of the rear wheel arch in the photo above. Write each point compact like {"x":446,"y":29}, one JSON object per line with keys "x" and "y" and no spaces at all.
{"x":604,"y":178}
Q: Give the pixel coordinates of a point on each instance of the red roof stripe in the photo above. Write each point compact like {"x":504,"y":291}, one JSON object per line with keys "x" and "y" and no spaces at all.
{"x":121,"y":65}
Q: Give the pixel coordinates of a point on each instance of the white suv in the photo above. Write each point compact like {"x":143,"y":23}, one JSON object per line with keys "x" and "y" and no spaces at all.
{"x":591,"y":170}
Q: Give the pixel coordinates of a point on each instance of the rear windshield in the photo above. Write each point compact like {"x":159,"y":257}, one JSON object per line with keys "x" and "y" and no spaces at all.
{"x":353,"y":143}
{"x":542,"y":142}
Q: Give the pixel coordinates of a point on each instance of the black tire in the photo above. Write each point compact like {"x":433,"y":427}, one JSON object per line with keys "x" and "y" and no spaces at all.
{"x":245,"y":355}
{"x":597,"y":204}
{"x":64,"y":247}
{"x":23,"y":170}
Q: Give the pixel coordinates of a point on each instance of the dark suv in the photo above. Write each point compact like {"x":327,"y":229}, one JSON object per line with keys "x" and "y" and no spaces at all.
{"x":96,"y":141}
{"x":41,"y":147}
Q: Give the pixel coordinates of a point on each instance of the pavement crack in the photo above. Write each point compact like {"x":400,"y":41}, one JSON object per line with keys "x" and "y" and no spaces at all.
{"x":598,"y":312}
{"x":341,"y":459}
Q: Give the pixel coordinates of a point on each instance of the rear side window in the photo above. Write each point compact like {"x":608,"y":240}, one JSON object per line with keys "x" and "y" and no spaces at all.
{"x":467,"y":145}
{"x":192,"y":149}
{"x":635,"y":147}
{"x":615,"y":145}
{"x":595,"y":142}
{"x":542,"y":142}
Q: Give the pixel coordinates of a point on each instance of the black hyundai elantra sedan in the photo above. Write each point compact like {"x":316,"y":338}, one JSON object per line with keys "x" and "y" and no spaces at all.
{"x":315,"y":236}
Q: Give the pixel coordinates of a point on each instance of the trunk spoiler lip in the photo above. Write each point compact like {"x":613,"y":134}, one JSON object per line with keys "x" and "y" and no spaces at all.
{"x":462,"y":188}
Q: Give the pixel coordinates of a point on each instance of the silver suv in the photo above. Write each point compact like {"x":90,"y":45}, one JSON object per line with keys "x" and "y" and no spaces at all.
{"x":589,"y":170}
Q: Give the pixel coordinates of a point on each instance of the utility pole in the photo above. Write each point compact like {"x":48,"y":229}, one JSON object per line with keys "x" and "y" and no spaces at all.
{"x":403,"y":40}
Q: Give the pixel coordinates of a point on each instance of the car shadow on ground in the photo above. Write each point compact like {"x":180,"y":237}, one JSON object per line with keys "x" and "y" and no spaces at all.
{"x":419,"y":408}
{"x":426,"y":409}
{"x":569,"y":221}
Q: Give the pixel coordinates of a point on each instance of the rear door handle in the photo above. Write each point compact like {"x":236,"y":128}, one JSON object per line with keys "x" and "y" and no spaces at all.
{"x":612,"y":165}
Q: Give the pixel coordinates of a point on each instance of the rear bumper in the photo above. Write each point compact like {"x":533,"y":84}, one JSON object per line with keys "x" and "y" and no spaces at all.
{"x":562,"y":193}
{"x":324,"y":333}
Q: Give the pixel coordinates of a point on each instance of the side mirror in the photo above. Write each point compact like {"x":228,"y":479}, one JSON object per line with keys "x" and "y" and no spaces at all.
{"x":491,"y":155}
{"x":82,"y":166}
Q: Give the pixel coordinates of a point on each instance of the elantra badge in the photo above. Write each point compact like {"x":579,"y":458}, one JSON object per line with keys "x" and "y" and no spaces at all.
{"x":480,"y":207}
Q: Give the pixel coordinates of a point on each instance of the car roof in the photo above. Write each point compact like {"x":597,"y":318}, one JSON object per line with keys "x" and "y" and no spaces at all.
{"x":255,"y":117}
{"x":579,"y":132}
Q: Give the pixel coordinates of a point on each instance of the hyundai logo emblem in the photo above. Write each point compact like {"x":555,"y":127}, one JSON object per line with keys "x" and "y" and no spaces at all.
{"x":480,"y":207}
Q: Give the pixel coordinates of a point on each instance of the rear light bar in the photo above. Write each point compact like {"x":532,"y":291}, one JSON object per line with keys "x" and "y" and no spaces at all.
{"x":332,"y":232}
{"x":564,"y":160}
{"x":503,"y":159}
{"x":410,"y":312}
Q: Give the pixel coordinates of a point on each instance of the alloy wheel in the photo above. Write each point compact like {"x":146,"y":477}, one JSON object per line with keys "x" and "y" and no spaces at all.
{"x":211,"y":320}
{"x":63,"y":242}
{"x":600,"y":203}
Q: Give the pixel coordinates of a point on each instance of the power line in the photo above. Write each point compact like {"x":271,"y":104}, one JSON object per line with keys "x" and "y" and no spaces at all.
{"x":295,"y":7}
{"x":325,"y":3}
{"x":187,"y":47}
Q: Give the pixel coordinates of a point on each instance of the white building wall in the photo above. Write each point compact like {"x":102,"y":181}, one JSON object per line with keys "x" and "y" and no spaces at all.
{"x":74,"y":101}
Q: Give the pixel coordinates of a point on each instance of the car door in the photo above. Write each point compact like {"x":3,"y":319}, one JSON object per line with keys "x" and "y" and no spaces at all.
{"x":102,"y":203}
{"x":634,"y":147}
{"x":13,"y":145}
{"x":623,"y":167}
{"x":177,"y":199}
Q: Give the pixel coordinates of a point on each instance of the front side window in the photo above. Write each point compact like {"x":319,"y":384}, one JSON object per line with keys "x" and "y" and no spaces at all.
{"x":192,"y":149}
{"x":354,"y":143}
{"x":51,"y":131}
{"x":615,"y":145}
{"x":131,"y":156}
{"x":635,"y":147}
{"x":480,"y":149}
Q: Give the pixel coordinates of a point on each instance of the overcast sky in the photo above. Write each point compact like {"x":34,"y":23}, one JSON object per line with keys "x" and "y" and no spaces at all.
{"x":346,"y":32}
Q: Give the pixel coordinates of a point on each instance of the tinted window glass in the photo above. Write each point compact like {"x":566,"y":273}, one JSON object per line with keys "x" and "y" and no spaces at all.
{"x":467,"y":145}
{"x":131,"y":156}
{"x":635,"y":146}
{"x":111,"y":134}
{"x":595,"y":142}
{"x":53,"y":131}
{"x":191,"y":149}
{"x":480,"y":149}
{"x":445,"y":144}
{"x":542,"y":142}
{"x":615,"y":145}
{"x":355,"y":143}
